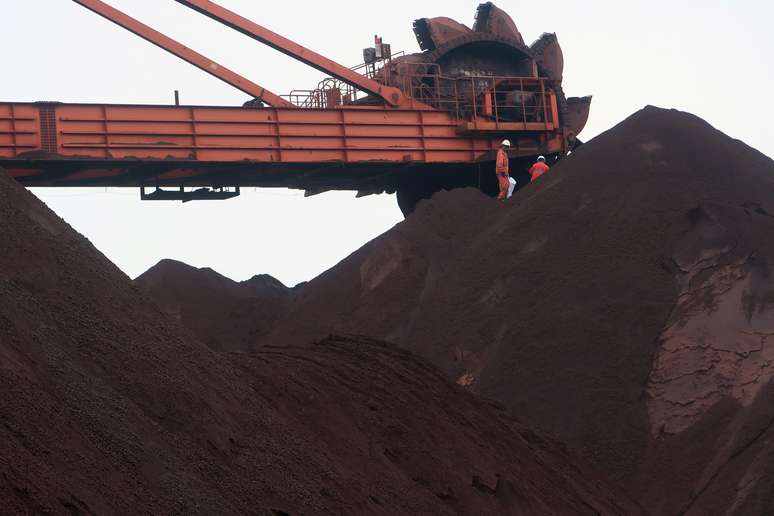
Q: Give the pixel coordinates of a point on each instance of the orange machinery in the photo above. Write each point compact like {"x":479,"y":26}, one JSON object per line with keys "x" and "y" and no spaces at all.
{"x":410,"y":124}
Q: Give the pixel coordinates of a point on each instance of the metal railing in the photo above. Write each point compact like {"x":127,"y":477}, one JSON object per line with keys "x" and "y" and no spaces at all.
{"x":332,"y":92}
{"x":501,"y":99}
{"x":497,"y":98}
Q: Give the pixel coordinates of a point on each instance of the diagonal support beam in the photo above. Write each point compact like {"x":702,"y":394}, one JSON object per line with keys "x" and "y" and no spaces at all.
{"x":392,"y":96}
{"x":183,"y":52}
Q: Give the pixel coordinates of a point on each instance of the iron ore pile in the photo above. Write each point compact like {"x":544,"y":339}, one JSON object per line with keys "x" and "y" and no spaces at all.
{"x":225,"y":315}
{"x":110,"y":405}
{"x":602,"y":343}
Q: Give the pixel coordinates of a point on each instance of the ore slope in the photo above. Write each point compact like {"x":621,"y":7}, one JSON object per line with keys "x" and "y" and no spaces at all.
{"x":109,"y":407}
{"x":202,"y":299}
{"x":624,"y":302}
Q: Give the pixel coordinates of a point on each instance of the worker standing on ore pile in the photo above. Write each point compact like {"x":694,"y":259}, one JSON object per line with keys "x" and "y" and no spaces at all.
{"x":539,"y":168}
{"x":501,"y":169}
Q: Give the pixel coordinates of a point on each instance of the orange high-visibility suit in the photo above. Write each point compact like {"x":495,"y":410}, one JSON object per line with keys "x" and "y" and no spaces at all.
{"x":501,"y":169}
{"x":538,"y":169}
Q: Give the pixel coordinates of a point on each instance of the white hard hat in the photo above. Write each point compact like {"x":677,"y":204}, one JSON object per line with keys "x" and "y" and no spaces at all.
{"x":541,"y":158}
{"x":507,"y":143}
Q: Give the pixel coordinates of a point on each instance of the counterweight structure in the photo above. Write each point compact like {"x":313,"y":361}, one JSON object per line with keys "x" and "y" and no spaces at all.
{"x":406,"y":123}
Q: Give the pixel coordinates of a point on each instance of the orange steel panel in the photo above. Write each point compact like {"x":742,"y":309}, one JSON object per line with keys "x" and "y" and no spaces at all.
{"x":81,"y":143}
{"x":19,"y":129}
{"x":392,"y":96}
{"x":268,"y":135}
{"x":183,"y":52}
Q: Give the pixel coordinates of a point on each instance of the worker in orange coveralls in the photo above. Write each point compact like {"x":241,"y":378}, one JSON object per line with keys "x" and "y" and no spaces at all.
{"x":501,"y":169}
{"x":539,"y":168}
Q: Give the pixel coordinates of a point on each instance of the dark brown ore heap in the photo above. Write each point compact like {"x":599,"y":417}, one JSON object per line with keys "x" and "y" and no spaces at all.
{"x":203,"y":300}
{"x":108,"y":406}
{"x":624,"y":302}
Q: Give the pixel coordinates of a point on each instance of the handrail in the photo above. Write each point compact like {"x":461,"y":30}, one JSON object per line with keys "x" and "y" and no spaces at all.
{"x":484,"y":97}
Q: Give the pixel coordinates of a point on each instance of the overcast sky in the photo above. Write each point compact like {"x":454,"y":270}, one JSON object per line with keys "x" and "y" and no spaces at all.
{"x":710,"y":57}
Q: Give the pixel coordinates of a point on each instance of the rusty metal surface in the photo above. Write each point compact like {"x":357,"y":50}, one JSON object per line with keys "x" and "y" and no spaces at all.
{"x":577,"y":115}
{"x":493,"y":20}
{"x":477,"y":52}
{"x":432,"y":33}
{"x":549,"y":56}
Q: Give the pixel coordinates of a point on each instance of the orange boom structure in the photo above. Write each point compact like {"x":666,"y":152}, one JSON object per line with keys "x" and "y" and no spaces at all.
{"x":411,"y":124}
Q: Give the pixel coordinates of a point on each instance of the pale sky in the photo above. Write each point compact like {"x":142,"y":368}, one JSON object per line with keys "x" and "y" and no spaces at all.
{"x":710,"y":57}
